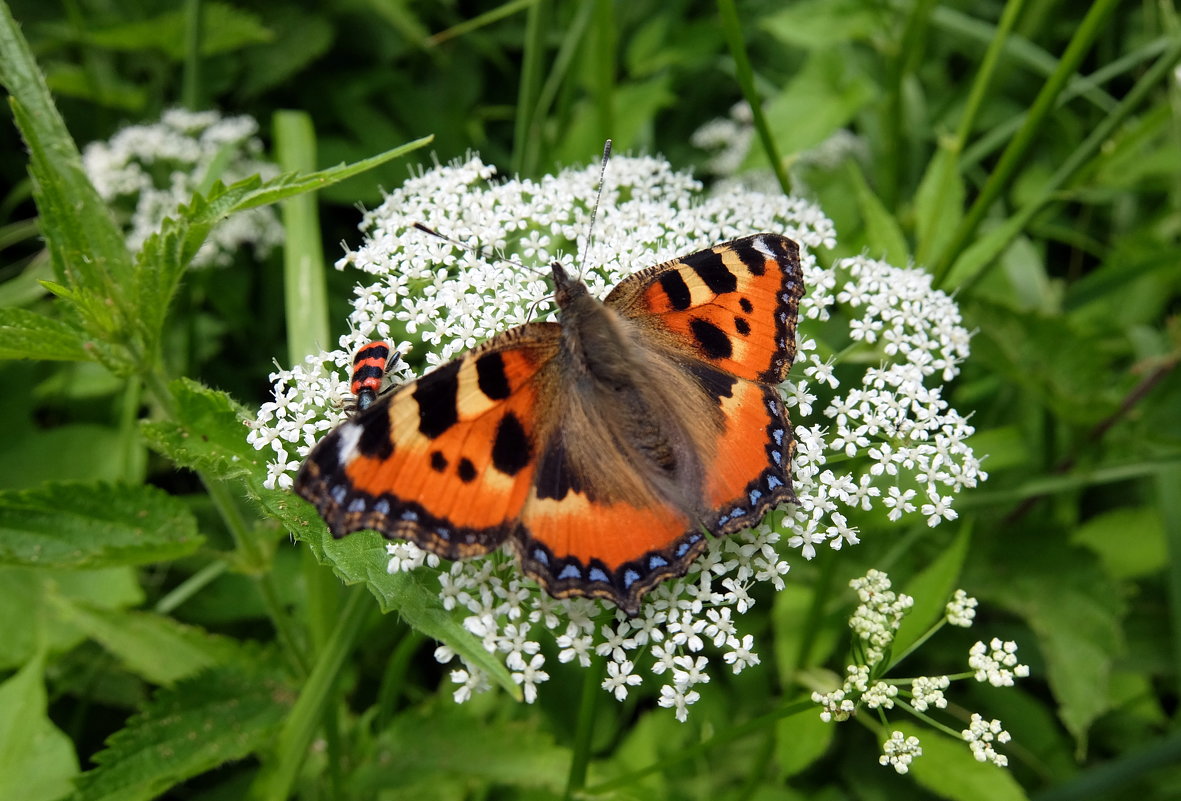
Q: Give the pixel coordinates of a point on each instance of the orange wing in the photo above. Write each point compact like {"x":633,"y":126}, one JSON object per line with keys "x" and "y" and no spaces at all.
{"x":445,"y":461}
{"x":726,"y":316}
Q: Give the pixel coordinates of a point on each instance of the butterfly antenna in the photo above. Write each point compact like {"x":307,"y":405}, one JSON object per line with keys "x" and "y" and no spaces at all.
{"x":590,"y":235}
{"x":477,"y":251}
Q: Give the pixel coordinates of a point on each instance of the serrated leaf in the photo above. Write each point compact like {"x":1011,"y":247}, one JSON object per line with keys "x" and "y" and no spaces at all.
{"x":206,"y":433}
{"x":1076,"y":611}
{"x":948,"y":769}
{"x":25,"y":588}
{"x":224,"y":28}
{"x":94,"y":525}
{"x":157,"y":648}
{"x":939,"y":205}
{"x":931,"y":590}
{"x":85,"y":245}
{"x":218,"y":717}
{"x":37,"y":759}
{"x":28,"y":335}
{"x":443,"y":739}
{"x":883,"y":235}
{"x":361,"y":558}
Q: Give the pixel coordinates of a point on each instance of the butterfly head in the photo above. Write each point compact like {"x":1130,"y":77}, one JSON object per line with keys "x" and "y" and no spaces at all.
{"x":567,"y":288}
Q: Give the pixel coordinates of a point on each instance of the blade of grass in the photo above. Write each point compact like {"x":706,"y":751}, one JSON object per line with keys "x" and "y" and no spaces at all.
{"x":477,"y":22}
{"x":603,"y":44}
{"x":1169,"y":504}
{"x":305,"y":289}
{"x":732,"y":30}
{"x":526,"y":146}
{"x":1010,"y":159}
{"x":969,"y":267}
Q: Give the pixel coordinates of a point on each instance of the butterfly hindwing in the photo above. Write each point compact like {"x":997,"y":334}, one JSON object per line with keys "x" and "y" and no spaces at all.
{"x":445,"y":461}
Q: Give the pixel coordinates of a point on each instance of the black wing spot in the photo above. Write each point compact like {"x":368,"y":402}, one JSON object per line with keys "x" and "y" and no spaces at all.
{"x":492,"y":378}
{"x":752,"y":259}
{"x":511,"y":450}
{"x":712,"y":270}
{"x":466,"y":471}
{"x":374,"y":441}
{"x":712,"y":339}
{"x":716,"y":383}
{"x":436,"y":395}
{"x":438,"y":461}
{"x":746,"y":305}
{"x":741,"y":326}
{"x":554,"y":478}
{"x":677,"y":291}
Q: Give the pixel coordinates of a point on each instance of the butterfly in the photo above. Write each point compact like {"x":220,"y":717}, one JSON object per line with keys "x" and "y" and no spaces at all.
{"x":603,"y":448}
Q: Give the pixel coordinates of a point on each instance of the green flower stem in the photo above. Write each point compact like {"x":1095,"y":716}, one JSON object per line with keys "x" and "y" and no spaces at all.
{"x":277,"y":779}
{"x":393,"y":681}
{"x":191,"y":86}
{"x":910,"y":49}
{"x":191,"y":586}
{"x":1010,"y":159}
{"x":305,"y":290}
{"x":815,"y":617}
{"x":732,"y":30}
{"x":687,"y":754}
{"x":592,"y":678}
{"x":604,"y":43}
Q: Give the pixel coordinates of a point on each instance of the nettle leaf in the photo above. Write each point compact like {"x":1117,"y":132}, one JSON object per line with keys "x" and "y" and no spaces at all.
{"x":154,"y":647}
{"x":446,"y":740}
{"x":94,"y":525}
{"x":1076,"y":610}
{"x":206,"y":433}
{"x":220,"y":716}
{"x":361,"y":558}
{"x":28,"y":335}
{"x":37,"y":760}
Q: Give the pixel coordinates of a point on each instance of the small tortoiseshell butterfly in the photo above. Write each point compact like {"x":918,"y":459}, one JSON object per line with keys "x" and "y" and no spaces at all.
{"x":604,"y":447}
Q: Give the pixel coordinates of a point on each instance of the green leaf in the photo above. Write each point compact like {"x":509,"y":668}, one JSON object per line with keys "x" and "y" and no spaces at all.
{"x":361,"y":557}
{"x":206,"y":433}
{"x":158,"y":649}
{"x":37,"y":760}
{"x":800,"y":740}
{"x":218,"y":717}
{"x":883,"y":235}
{"x":931,"y":590}
{"x":25,"y":588}
{"x":939,"y":205}
{"x":93,"y":525}
{"x":85,"y":245}
{"x":820,"y":24}
{"x":28,"y":335}
{"x":821,"y":98}
{"x":223,"y":29}
{"x":1076,"y":611}
{"x":1130,"y":541}
{"x":445,"y":740}
{"x":948,"y":769}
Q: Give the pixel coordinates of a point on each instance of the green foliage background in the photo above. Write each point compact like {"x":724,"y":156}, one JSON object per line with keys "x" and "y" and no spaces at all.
{"x":164,"y":636}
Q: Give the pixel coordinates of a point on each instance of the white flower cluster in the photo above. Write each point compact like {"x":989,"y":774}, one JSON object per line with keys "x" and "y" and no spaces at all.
{"x":899,"y":751}
{"x":996,"y":663}
{"x":146,"y":171}
{"x":435,"y":300}
{"x":876,"y":621}
{"x":961,"y":610}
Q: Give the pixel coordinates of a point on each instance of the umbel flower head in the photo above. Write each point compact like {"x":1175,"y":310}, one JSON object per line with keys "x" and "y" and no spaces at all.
{"x":898,"y":445}
{"x":146,"y":171}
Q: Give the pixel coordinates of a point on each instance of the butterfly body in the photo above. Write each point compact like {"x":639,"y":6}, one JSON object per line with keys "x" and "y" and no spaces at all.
{"x":603,"y":447}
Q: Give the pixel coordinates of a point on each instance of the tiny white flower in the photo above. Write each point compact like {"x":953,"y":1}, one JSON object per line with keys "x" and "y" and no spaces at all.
{"x":899,"y":751}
